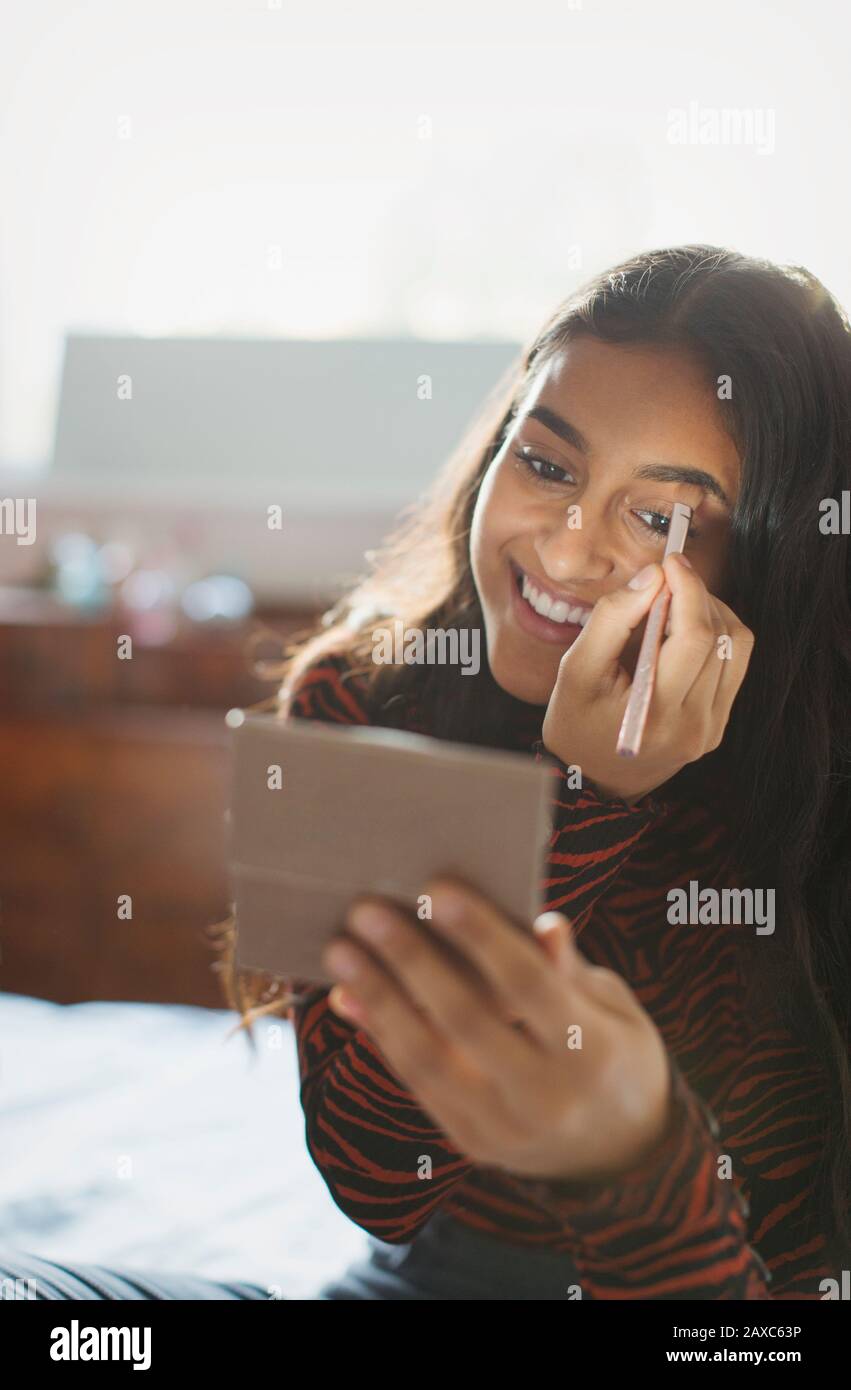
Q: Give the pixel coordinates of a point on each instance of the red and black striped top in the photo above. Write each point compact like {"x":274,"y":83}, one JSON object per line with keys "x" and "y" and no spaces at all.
{"x":718,"y":1211}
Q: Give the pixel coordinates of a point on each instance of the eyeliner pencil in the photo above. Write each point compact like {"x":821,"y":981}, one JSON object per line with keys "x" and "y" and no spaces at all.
{"x":644,"y":679}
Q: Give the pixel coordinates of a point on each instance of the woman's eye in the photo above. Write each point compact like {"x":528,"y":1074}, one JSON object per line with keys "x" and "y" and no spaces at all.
{"x":656,"y":524}
{"x":544,"y":470}
{"x":652,"y":523}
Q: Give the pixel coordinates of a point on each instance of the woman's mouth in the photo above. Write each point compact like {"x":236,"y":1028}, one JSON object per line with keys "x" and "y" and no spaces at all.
{"x":545,"y":614}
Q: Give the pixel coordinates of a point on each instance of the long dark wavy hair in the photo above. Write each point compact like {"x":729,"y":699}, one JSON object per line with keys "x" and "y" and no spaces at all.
{"x":785,"y":760}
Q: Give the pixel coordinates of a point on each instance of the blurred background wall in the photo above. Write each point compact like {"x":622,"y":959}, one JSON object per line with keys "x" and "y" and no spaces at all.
{"x":257,"y":254}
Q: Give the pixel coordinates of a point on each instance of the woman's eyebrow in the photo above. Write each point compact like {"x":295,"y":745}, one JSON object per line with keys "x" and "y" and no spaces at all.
{"x":678,"y":473}
{"x":656,"y":472}
{"x":558,"y":425}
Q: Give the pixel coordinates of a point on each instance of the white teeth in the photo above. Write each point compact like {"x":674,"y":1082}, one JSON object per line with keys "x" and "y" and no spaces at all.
{"x":555,"y":609}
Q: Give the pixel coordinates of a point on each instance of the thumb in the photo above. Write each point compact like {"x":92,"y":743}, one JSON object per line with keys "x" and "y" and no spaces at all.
{"x":613,"y":619}
{"x":554,"y":931}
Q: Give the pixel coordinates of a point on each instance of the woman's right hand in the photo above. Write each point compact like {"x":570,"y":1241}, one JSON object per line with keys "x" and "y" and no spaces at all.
{"x":697,"y":680}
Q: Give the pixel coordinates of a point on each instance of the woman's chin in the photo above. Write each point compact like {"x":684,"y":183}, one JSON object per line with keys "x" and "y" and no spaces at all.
{"x":532,"y":688}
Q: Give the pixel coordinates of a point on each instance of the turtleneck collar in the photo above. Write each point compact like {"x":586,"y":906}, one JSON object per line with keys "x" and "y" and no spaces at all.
{"x":525,"y":728}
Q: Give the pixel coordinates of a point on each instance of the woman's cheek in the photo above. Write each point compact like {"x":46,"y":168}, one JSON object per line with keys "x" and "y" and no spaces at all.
{"x":498,"y":518}
{"x":487,"y":536}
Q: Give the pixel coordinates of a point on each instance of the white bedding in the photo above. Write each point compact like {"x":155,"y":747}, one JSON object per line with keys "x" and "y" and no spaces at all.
{"x":134,"y":1135}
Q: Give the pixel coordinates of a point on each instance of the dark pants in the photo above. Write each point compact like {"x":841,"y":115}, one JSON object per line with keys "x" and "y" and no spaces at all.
{"x":446,"y":1261}
{"x":450,"y":1261}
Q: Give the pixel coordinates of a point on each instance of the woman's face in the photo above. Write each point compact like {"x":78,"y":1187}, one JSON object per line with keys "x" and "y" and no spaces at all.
{"x":579,"y":496}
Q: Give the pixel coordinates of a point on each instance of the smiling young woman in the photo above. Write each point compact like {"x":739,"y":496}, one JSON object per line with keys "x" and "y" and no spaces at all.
{"x":696,"y":1144}
{"x":701,"y":1148}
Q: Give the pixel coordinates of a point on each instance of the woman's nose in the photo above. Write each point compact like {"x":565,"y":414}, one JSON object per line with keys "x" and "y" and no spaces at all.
{"x":574,"y":551}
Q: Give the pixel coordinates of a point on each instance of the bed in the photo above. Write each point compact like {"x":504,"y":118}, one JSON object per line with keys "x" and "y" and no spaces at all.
{"x":136,"y":1135}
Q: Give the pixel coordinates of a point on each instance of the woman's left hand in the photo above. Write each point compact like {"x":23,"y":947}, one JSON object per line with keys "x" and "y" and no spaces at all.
{"x":578,"y":1090}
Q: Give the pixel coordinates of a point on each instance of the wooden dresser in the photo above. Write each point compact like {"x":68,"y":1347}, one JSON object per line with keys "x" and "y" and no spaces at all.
{"x":113,"y":781}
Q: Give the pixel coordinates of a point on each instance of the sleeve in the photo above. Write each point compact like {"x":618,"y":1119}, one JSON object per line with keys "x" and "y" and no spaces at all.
{"x":592,"y":839}
{"x":722,"y":1209}
{"x":384,"y":1162}
{"x":386,"y":1165}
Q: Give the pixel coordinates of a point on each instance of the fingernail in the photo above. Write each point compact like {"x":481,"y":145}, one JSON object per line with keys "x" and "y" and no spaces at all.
{"x":548,"y":921}
{"x":448,"y":907}
{"x":343,"y":1003}
{"x":342,"y":960}
{"x":643,"y":578}
{"x":684,"y":560}
{"x":371,"y":921}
